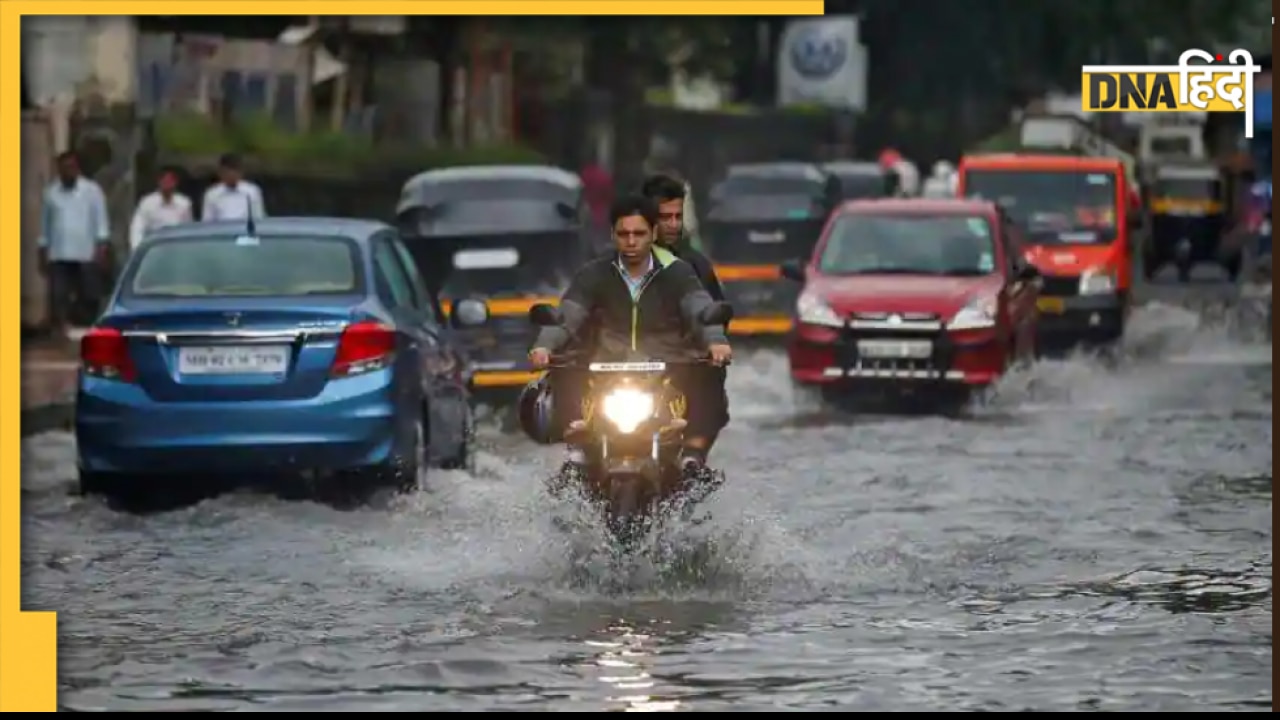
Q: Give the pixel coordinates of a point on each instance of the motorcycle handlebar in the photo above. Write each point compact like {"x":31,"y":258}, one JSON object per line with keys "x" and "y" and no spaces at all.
{"x":567,"y":362}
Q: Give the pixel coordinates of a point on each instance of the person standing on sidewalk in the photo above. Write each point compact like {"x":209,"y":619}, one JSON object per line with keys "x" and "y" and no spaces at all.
{"x":74,"y":244}
{"x":233,"y":197}
{"x":162,"y":208}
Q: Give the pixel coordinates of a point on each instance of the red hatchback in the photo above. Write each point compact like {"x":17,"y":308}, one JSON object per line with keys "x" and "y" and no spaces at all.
{"x":913,"y":294}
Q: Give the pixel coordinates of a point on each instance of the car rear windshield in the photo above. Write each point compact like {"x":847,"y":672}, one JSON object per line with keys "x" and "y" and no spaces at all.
{"x":1189,"y":188}
{"x":739,"y":208}
{"x":949,"y":245}
{"x":765,"y":186}
{"x":246,"y":267}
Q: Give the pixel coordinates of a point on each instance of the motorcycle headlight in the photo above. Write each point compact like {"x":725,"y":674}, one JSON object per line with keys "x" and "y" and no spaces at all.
{"x":977,"y":314}
{"x":1097,"y":282}
{"x":811,"y":310}
{"x":626,"y":408}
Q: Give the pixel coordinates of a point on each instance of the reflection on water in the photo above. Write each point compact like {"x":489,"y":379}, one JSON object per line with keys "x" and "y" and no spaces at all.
{"x":624,"y":659}
{"x":621,"y":643}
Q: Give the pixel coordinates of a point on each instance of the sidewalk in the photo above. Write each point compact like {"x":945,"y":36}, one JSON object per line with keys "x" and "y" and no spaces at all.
{"x":48,"y":385}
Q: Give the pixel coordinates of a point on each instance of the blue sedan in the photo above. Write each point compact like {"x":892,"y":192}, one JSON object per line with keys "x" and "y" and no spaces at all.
{"x":306,"y":346}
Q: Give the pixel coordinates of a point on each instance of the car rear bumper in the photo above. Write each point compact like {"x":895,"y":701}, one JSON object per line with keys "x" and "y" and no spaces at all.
{"x":119,"y":429}
{"x":973,"y":358}
{"x":1087,"y":319}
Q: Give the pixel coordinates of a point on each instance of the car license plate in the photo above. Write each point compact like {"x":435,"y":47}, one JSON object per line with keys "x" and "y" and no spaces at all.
{"x":898,"y":349}
{"x":1052,"y":305}
{"x":233,"y":360}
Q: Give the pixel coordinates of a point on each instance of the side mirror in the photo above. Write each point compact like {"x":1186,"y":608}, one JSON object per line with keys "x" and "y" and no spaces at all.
{"x":717,"y":313}
{"x":793,"y":270}
{"x":469,"y":313}
{"x":1028,"y":273}
{"x":544,"y":315}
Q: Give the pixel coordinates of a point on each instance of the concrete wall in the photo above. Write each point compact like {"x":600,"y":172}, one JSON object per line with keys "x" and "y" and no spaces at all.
{"x":37,"y":171}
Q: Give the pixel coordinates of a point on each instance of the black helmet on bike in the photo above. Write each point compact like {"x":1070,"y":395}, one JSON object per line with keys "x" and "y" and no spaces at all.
{"x":535,"y":411}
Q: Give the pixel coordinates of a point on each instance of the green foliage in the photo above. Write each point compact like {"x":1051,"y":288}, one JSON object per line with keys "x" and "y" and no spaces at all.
{"x":266,"y":145}
{"x":697,"y":45}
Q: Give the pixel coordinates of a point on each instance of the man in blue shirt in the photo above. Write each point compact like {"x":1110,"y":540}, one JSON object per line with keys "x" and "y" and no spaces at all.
{"x":75,"y":243}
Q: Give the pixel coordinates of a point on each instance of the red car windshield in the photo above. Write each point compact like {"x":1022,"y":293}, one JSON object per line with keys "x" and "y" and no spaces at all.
{"x":945,"y":245}
{"x":1053,"y":206}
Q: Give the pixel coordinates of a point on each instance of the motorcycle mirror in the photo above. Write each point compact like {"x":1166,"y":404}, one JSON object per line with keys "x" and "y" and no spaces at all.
{"x":544,"y":315}
{"x":717,"y":313}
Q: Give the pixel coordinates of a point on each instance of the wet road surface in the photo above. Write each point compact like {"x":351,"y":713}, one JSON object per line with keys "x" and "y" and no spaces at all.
{"x":1097,"y":539}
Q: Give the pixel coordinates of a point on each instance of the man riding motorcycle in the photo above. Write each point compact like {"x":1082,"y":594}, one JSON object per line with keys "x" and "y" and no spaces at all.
{"x":644,"y":301}
{"x":670,"y":195}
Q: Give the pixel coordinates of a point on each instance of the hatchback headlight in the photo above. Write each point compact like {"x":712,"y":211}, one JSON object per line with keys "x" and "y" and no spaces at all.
{"x":1096,"y":281}
{"x":977,"y":314}
{"x":811,"y":310}
{"x":626,"y":408}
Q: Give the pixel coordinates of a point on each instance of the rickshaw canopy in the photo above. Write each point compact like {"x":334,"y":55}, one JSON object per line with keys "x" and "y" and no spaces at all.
{"x":483,"y":200}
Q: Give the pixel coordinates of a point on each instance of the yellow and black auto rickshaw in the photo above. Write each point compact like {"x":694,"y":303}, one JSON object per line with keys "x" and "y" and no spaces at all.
{"x":510,"y":235}
{"x":1188,"y":220}
{"x":760,"y":216}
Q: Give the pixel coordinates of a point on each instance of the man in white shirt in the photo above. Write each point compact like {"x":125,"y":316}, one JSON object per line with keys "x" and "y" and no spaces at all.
{"x":162,"y":208}
{"x":233,"y":197}
{"x":75,"y":243}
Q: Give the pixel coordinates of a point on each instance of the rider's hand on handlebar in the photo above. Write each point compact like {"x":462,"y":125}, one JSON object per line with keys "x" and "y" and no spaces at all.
{"x":720,"y":354}
{"x":540,"y":357}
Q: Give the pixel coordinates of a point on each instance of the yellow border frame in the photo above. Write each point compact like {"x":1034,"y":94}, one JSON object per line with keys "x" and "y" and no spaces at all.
{"x":28,"y":640}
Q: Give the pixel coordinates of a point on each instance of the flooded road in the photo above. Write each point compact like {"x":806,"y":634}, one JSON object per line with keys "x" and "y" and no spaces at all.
{"x":1098,"y":538}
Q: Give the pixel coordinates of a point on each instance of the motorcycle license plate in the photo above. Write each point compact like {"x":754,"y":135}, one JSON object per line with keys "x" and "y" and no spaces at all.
{"x":1265,"y":228}
{"x":635,"y":367}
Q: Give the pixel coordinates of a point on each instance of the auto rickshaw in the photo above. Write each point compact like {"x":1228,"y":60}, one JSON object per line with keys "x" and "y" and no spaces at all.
{"x":1188,"y":221}
{"x":760,"y":216}
{"x":511,"y":235}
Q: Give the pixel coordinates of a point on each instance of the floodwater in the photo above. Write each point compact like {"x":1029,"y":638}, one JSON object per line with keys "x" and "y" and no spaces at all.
{"x":1097,"y":538}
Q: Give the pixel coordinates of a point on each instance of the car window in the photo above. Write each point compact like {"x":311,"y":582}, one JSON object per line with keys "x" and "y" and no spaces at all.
{"x":227,"y":265}
{"x":426,"y":302}
{"x":393,"y":285}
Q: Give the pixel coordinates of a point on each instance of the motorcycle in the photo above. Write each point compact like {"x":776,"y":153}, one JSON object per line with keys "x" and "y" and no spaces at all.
{"x":632,"y":430}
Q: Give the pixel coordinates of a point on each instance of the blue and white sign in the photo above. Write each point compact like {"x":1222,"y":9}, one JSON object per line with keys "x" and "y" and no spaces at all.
{"x":821,"y":60}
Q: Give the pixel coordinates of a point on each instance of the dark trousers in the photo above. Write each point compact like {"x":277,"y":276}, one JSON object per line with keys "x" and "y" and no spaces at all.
{"x":707,"y":409}
{"x":74,"y":292}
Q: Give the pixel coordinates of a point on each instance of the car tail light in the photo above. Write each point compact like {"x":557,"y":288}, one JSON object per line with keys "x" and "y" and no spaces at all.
{"x":104,"y":353}
{"x":364,"y":347}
